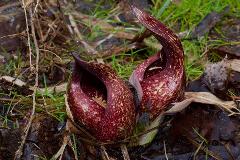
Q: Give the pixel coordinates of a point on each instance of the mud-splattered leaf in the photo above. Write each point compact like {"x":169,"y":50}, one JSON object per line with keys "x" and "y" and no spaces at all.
{"x":208,"y":23}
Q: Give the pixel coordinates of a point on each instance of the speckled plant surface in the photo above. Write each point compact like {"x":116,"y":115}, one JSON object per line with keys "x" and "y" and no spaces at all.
{"x":159,"y":80}
{"x":101,"y":101}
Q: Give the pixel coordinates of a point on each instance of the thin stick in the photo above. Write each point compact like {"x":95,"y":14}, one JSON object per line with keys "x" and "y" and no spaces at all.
{"x":125,"y":152}
{"x":19,"y":152}
{"x":104,"y":153}
{"x":13,"y":35}
{"x":28,"y":35}
{"x":35,"y":9}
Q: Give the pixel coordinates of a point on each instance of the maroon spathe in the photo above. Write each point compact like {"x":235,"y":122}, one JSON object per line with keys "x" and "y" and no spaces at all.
{"x":91,"y":81}
{"x":103,"y":103}
{"x":159,"y":80}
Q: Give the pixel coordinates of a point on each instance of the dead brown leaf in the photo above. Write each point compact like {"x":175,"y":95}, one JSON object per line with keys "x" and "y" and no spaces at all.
{"x":205,"y":98}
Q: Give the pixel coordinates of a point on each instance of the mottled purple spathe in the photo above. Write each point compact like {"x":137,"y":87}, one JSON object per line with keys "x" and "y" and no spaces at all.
{"x":159,"y":80}
{"x":113,"y":122}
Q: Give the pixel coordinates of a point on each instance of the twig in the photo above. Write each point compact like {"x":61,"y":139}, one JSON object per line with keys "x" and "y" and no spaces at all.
{"x":125,"y":152}
{"x":19,"y":152}
{"x":12,"y":35}
{"x":35,"y":9}
{"x":45,"y":50}
{"x":104,"y":153}
{"x":39,"y":28}
{"x":49,"y":29}
{"x":28,"y":35}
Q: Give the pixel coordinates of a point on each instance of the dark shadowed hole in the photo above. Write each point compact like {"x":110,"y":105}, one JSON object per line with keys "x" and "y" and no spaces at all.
{"x":156,"y":67}
{"x":93,"y":86}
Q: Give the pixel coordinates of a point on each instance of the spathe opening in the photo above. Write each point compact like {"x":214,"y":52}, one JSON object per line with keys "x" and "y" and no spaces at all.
{"x":156,"y":67}
{"x":93,"y":87}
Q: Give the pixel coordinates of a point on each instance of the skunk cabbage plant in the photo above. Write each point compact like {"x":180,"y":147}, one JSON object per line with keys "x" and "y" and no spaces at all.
{"x":159,"y":80}
{"x":100,"y":101}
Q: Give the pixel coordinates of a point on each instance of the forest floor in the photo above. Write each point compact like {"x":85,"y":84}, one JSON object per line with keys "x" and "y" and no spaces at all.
{"x":37,"y":37}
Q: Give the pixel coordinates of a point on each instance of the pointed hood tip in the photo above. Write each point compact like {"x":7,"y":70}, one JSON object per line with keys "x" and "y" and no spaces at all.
{"x":76,"y":56}
{"x":134,"y":9}
{"x":77,"y":59}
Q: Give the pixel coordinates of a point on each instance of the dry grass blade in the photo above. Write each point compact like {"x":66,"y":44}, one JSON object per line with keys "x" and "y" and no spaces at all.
{"x":197,"y":150}
{"x":70,"y":143}
{"x":106,"y":27}
{"x":98,"y":43}
{"x":205,"y":149}
{"x":60,"y":152}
